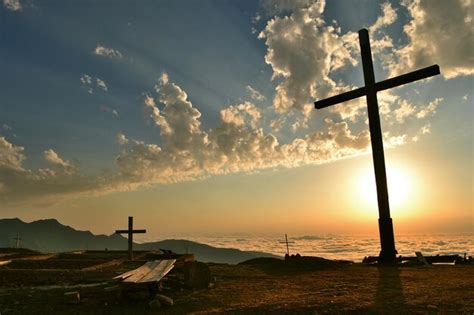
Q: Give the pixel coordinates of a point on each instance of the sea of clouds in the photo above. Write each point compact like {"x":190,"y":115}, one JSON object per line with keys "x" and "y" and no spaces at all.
{"x":344,"y":246}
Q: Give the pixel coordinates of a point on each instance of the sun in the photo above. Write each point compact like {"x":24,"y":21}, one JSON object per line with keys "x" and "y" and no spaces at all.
{"x":400,"y":187}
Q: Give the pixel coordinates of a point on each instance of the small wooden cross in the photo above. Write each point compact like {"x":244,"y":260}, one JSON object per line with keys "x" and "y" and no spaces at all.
{"x":130,"y":233}
{"x":387,"y":239}
{"x":287,"y":242}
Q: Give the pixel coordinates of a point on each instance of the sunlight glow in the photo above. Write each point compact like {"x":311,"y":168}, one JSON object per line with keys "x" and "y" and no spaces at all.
{"x":400,"y":187}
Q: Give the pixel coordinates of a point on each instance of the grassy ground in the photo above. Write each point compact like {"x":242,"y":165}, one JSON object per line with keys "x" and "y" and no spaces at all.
{"x":259,"y":288}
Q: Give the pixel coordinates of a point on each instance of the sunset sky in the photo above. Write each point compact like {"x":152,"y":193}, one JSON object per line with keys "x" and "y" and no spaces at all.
{"x":197,"y":117}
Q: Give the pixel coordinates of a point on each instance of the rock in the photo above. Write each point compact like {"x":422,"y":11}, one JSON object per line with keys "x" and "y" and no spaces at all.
{"x":196,"y":274}
{"x":72,"y":297}
{"x":155,"y":303}
{"x":163,"y":299}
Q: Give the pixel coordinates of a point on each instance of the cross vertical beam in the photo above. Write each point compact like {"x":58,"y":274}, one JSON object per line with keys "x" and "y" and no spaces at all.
{"x":130,"y":233}
{"x":387,"y":239}
{"x":286,"y":242}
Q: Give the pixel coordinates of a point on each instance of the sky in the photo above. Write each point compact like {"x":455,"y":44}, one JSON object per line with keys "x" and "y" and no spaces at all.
{"x":197,"y":117}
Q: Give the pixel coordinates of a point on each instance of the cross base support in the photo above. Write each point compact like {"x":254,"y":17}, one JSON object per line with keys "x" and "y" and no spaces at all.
{"x":388,"y":254}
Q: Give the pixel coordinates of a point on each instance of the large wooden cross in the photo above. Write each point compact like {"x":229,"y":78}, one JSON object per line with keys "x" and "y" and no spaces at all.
{"x":130,"y":233}
{"x":387,"y":240}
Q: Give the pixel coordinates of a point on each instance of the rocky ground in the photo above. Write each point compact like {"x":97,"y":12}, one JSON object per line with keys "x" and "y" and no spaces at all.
{"x":258,"y":287}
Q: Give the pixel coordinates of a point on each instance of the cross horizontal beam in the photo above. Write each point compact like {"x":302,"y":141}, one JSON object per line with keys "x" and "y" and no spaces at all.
{"x":130,"y":231}
{"x":380,"y":86}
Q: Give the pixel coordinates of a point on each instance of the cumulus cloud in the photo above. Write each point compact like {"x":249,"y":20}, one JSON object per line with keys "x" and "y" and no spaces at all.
{"x":430,"y":109}
{"x":424,"y":130}
{"x":254,"y":94}
{"x":303,"y":51}
{"x":237,"y":144}
{"x":180,"y":127}
{"x":405,"y":110}
{"x":187,"y":151}
{"x":13,"y":5}
{"x":389,"y":16}
{"x":11,"y":157}
{"x":90,"y":83}
{"x":277,"y":124}
{"x":395,"y":109}
{"x":107,"y":52}
{"x":101,"y":84}
{"x":57,"y":162}
{"x":20,"y":184}
{"x":440,"y":32}
{"x":121,"y":139}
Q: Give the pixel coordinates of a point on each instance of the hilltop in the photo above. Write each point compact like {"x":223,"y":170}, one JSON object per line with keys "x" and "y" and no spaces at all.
{"x":258,"y":286}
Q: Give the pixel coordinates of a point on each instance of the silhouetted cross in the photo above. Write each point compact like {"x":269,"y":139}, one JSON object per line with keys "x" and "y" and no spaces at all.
{"x":287,"y":246}
{"x":387,"y":240}
{"x":130,"y":233}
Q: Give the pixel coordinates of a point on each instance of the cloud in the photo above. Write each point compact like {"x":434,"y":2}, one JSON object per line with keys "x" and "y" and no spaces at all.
{"x":254,"y":94}
{"x":187,"y":151}
{"x":405,"y":110}
{"x":11,"y":157}
{"x":242,"y":114}
{"x":277,"y":124}
{"x":303,"y":51}
{"x":121,"y":139}
{"x":440,"y":32}
{"x":13,"y":5}
{"x":101,"y":84}
{"x":90,"y":83}
{"x":430,"y":109}
{"x":389,"y":16}
{"x":57,"y":162}
{"x":424,"y":130}
{"x":107,"y":52}
{"x":180,"y":127}
{"x":236,"y":144}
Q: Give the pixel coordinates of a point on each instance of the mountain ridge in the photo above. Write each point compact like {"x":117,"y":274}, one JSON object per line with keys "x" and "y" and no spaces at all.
{"x":49,"y":235}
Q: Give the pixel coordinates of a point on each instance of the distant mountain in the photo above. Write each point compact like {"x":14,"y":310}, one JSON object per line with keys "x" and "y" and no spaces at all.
{"x":205,"y":252}
{"x":51,"y":236}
